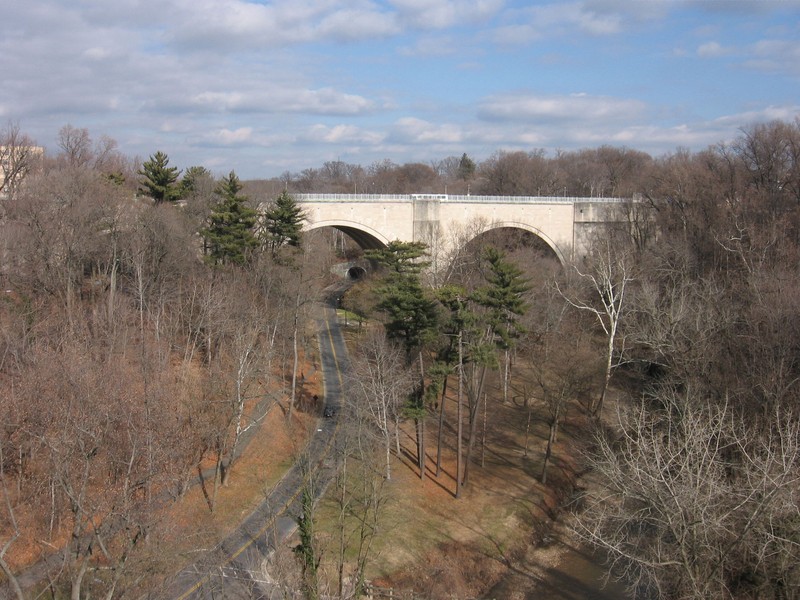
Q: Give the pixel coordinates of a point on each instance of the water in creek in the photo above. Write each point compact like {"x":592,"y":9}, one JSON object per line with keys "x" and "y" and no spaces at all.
{"x":577,"y":576}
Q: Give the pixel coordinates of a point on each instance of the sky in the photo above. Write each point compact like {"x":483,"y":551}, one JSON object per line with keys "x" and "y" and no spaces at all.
{"x":266,"y":87}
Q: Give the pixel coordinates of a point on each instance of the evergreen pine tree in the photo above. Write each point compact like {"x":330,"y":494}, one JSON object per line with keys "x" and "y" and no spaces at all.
{"x":503,"y":297}
{"x":229,"y":237}
{"x":411,"y":313}
{"x":159,"y":179}
{"x":466,"y":167}
{"x":283,"y":223}
{"x":191,"y":178}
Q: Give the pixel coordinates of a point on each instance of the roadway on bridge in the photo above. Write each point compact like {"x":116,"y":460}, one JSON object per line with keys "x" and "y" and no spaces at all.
{"x":233,"y":569}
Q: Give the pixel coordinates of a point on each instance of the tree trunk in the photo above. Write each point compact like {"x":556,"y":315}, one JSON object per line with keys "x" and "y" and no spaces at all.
{"x":397,"y":435}
{"x":607,"y":378}
{"x":77,"y":581}
{"x":388,"y":455}
{"x":12,"y":580}
{"x":342,"y":519}
{"x":483,"y":435}
{"x":112,"y":288}
{"x":551,"y":439}
{"x":459,"y":416}
{"x":294,"y":366}
{"x":527,"y":430}
{"x":472,"y":433}
{"x":441,"y":429}
{"x":473,"y":422}
{"x":420,"y":422}
{"x":548,"y":452}
{"x":420,"y":429}
{"x":219,"y":477}
{"x":506,"y":373}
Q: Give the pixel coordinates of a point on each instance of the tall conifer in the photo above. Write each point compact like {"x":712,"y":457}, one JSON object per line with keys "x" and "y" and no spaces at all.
{"x":229,"y":237}
{"x":283,"y":223}
{"x":159,"y":179}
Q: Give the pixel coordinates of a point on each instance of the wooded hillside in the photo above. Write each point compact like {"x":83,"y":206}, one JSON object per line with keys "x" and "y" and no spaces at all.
{"x":142,"y":335}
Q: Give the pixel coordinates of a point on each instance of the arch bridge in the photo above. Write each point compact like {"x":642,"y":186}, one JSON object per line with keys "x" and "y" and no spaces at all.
{"x":439,"y":220}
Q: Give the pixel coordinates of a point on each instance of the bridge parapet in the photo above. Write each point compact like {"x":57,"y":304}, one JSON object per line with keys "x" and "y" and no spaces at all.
{"x":456,"y":198}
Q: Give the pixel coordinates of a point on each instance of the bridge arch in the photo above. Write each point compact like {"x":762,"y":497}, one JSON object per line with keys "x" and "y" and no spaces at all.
{"x":364,"y":236}
{"x":529,"y":228}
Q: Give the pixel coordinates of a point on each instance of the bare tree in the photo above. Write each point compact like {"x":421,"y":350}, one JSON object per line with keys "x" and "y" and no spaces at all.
{"x":562,"y":361}
{"x":381,"y":384}
{"x":608,"y":276}
{"x":19,"y":156}
{"x":360,"y":493}
{"x":771,"y":154}
{"x":518,"y":174}
{"x":76,"y":146}
{"x":247,"y":356}
{"x":678,"y":327}
{"x":693,"y":502}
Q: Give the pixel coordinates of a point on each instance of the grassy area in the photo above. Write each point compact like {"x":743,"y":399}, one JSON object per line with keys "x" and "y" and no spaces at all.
{"x":349,"y":319}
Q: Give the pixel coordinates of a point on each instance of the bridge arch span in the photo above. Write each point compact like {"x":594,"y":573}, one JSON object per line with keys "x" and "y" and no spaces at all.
{"x":373,"y":220}
{"x":364,"y":236}
{"x":529,"y":228}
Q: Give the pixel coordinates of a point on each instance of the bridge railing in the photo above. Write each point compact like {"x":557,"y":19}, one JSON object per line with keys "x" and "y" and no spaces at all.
{"x":452,"y":198}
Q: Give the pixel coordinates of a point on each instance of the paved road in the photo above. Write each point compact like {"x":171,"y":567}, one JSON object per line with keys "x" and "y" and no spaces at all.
{"x":232,"y":569}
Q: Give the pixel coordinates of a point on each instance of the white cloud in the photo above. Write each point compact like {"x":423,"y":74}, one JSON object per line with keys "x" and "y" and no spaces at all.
{"x":516,"y":35}
{"x":323,"y":101}
{"x":775,"y":56}
{"x":439,"y":45}
{"x":557,"y":20}
{"x":347,"y":134}
{"x":576,"y":107}
{"x":97,"y":53}
{"x":440,"y":14}
{"x":738,"y":6}
{"x":658,"y":136}
{"x":612,"y":17}
{"x":418,"y":131}
{"x":768,"y":113}
{"x":631,"y":11}
{"x":713,"y":50}
{"x":328,"y":101}
{"x":219,"y":100}
{"x":226,"y":137}
{"x":352,"y":25}
{"x":236,"y":24}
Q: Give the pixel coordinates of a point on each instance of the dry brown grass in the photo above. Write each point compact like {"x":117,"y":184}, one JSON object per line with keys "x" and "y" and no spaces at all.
{"x":189,"y":528}
{"x":445,"y":547}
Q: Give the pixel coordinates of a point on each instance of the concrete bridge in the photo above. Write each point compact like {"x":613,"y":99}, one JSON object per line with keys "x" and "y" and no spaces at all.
{"x":373,"y":220}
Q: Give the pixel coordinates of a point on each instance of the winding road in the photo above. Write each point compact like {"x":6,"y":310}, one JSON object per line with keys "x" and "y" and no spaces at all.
{"x":232,"y":569}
